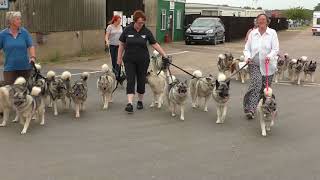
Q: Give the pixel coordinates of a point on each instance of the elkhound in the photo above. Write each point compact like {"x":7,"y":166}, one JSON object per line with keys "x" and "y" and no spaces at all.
{"x":225,"y":62}
{"x":178,"y":94}
{"x":28,"y":106}
{"x":156,"y":62}
{"x":201,"y":87}
{"x":221,"y":96}
{"x":267,"y":110}
{"x":244,"y":73}
{"x":79,"y":93}
{"x":57,"y":90}
{"x":106,"y":84}
{"x":6,"y":98}
{"x":310,"y":69}
{"x":158,"y":86}
{"x":298,"y":69}
{"x":282,"y":65}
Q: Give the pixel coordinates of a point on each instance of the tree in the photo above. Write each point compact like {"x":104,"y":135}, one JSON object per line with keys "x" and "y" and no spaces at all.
{"x":317,"y":8}
{"x":259,"y":7}
{"x":298,"y":13}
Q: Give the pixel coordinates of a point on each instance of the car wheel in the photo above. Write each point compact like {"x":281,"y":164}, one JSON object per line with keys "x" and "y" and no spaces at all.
{"x":223,"y":39}
{"x":314,"y":33}
{"x":188,"y":42}
{"x":214,"y":40}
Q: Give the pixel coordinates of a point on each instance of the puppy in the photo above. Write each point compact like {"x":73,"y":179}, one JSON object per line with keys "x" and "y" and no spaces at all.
{"x":221,"y":96}
{"x":310,"y":69}
{"x":178,"y":94}
{"x":158,"y":86}
{"x":28,"y":106}
{"x":106,"y":84}
{"x":57,"y":91}
{"x":225,"y":63}
{"x":6,"y":98}
{"x":201,"y":87}
{"x":267,"y":110}
{"x":79,"y":93}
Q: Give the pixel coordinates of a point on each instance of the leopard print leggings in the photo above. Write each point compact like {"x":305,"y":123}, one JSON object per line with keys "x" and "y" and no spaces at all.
{"x":256,"y":87}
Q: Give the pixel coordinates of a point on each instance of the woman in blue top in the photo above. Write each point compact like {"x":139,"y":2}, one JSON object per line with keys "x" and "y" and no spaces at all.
{"x":19,"y":52}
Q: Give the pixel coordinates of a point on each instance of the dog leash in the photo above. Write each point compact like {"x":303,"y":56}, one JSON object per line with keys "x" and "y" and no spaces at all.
{"x":235,"y":73}
{"x":37,"y":72}
{"x":267,"y":61}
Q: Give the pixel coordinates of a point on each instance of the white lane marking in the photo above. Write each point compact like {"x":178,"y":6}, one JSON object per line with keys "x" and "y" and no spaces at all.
{"x":182,"y":52}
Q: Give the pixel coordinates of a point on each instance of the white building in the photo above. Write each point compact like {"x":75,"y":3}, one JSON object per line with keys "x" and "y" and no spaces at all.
{"x":220,"y":10}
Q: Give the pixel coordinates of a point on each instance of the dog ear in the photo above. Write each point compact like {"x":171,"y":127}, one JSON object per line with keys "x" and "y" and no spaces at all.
{"x":228,"y":83}
{"x":217,"y":84}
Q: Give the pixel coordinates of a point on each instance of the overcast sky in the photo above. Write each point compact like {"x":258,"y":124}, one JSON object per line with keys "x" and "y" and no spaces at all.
{"x":266,"y":4}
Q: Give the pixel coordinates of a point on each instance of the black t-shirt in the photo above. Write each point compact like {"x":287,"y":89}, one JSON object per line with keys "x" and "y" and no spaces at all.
{"x":136,"y":43}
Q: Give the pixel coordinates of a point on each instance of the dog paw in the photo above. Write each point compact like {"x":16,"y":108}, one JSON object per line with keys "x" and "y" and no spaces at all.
{"x":23,"y":131}
{"x":173,"y":115}
{"x":152,"y":105}
{"x":182,"y":118}
{"x":77,"y":115}
{"x":3,"y":124}
{"x":264,"y":133}
{"x":205,"y":109}
{"x":268,"y":129}
{"x":56,"y":114}
{"x":272,"y":123}
{"x":219,"y":122}
{"x":194,"y":106}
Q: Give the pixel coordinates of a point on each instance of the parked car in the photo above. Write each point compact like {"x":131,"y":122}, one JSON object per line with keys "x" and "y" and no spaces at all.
{"x":205,"y":29}
{"x":316,"y":23}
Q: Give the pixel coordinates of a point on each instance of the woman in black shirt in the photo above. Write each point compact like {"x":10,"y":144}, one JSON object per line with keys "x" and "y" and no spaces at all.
{"x":134,"y":52}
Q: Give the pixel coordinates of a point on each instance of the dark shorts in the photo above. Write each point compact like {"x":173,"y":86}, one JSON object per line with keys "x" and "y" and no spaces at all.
{"x":10,"y":76}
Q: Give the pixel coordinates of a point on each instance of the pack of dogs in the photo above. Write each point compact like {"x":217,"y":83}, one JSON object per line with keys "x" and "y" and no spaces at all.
{"x":29,"y":98}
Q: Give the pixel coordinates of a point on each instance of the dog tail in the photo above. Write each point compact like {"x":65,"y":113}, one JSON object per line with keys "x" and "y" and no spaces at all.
{"x":222,"y":56}
{"x":105,"y":68}
{"x":242,"y":58}
{"x":66,"y":76}
{"x":35,"y":91}
{"x":20,"y":81}
{"x":221,"y":77}
{"x":269,"y":93}
{"x":155,"y":53}
{"x":85,"y":76}
{"x":51,"y":75}
{"x":294,"y":60}
{"x":197,"y":73}
{"x":38,"y":66}
{"x":304,"y":58}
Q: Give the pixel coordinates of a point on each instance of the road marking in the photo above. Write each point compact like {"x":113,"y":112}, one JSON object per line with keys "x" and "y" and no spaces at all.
{"x":177,"y":53}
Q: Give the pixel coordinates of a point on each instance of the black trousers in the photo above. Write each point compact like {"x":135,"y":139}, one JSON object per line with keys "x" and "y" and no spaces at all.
{"x":10,"y":76}
{"x":114,"y":57}
{"x":136,"y":70}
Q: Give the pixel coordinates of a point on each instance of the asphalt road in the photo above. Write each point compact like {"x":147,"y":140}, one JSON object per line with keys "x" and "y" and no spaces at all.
{"x":150,"y":144}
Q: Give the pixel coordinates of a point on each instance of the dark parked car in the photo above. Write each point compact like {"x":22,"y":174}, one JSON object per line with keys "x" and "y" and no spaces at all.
{"x":205,"y":29}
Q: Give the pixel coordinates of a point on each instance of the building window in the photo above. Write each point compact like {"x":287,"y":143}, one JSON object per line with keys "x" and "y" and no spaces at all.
{"x":163,"y":19}
{"x":179,"y":19}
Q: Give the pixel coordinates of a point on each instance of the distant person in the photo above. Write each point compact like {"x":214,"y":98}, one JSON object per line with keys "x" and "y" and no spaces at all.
{"x":114,"y":30}
{"x":255,"y":26}
{"x":19,"y":52}
{"x":134,"y":52}
{"x":262,"y":46}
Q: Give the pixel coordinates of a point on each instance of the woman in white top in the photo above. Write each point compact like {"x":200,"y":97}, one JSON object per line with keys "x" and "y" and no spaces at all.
{"x":114,"y":30}
{"x":262,"y":45}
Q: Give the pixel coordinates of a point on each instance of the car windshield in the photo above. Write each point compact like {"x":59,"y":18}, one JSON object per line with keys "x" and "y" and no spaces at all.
{"x":204,"y":23}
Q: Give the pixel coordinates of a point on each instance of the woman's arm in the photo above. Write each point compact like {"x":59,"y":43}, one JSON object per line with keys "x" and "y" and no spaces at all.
{"x":120,"y":52}
{"x":158,"y":48}
{"x":107,"y":36}
{"x":32,"y":53}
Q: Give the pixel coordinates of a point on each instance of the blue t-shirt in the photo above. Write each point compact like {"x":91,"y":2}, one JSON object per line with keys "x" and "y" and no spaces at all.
{"x":15,"y":50}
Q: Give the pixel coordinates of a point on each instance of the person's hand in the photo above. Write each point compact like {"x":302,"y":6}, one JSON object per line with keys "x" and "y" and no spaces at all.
{"x":248,"y":61}
{"x":267,"y":61}
{"x":107,"y":44}
{"x":119,"y":61}
{"x":32,"y":59}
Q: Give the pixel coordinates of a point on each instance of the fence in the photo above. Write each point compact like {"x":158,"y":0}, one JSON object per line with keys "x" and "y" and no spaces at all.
{"x":237,"y":27}
{"x":59,"y":15}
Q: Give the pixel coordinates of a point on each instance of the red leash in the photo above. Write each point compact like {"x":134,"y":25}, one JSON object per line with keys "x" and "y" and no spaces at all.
{"x":267,"y":61}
